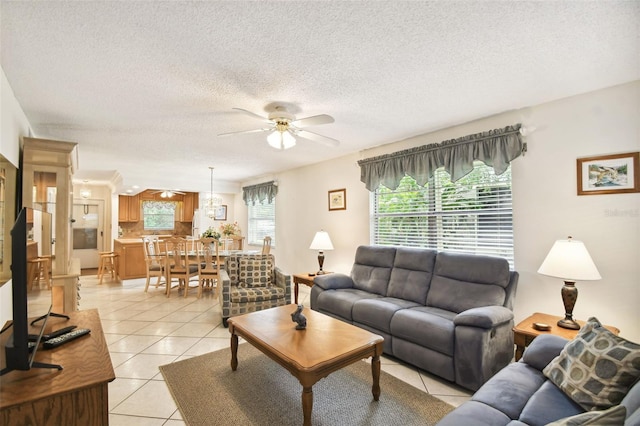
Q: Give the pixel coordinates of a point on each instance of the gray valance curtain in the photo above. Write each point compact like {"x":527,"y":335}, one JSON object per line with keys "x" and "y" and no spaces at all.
{"x":496,"y":148}
{"x":259,"y":193}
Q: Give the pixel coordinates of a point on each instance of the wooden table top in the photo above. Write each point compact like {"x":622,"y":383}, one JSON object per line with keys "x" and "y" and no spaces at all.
{"x":85,"y":362}
{"x":526,"y":326}
{"x":325,"y":341}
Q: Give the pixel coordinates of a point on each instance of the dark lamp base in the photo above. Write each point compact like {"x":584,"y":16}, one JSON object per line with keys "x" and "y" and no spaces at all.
{"x":320,"y":273}
{"x":569,"y":323}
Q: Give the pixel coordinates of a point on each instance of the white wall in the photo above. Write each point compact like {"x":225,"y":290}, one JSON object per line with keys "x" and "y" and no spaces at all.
{"x":546,"y":205}
{"x":13,"y":125}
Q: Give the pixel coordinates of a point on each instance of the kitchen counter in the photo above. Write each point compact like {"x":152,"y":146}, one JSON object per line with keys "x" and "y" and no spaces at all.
{"x":131,"y":262}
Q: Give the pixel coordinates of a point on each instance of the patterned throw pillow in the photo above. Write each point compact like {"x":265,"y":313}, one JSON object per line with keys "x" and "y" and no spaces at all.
{"x":613,"y":416}
{"x":597,"y":368}
{"x":254,"y":272}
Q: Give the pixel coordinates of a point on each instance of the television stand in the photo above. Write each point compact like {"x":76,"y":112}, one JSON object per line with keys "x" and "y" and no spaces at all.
{"x":44,"y":397}
{"x":50,"y":314}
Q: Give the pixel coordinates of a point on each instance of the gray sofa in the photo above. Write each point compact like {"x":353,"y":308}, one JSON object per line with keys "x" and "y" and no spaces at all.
{"x":447,"y":313}
{"x":520,"y":395}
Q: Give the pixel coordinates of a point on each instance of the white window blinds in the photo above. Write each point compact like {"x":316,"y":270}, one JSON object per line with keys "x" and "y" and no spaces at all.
{"x":472,"y":215}
{"x":262,"y":222}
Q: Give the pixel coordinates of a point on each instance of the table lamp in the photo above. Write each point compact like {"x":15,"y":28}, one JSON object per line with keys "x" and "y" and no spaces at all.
{"x":321,"y":242}
{"x":569,"y":259}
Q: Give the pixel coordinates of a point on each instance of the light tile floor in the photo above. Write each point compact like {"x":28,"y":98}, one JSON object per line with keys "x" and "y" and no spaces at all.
{"x":146,"y":330}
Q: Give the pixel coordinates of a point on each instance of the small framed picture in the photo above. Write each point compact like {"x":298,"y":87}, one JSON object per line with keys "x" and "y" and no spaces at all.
{"x":609,"y":174}
{"x":221,"y":213}
{"x":338,"y":199}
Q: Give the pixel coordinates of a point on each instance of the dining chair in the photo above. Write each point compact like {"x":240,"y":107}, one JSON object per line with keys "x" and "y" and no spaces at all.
{"x":237,"y":242}
{"x":266,"y":245}
{"x":208,"y":265}
{"x":178,"y":266}
{"x":155,"y":260}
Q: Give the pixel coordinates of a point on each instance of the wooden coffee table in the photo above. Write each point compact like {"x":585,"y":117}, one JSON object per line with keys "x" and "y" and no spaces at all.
{"x":326,"y":345}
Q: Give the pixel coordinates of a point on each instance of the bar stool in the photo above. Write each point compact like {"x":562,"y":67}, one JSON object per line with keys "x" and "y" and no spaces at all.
{"x":38,"y":270}
{"x":108,"y":261}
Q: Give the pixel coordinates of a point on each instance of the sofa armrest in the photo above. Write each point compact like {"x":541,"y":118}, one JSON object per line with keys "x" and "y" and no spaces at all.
{"x":485,"y":317}
{"x":542,"y":350}
{"x":333,"y":281}
{"x":283,"y":281}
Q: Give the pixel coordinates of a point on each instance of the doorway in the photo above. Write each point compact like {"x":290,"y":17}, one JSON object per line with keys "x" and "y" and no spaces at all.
{"x":87,"y":232}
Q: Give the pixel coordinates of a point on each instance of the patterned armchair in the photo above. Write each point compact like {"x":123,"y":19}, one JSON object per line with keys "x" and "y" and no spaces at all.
{"x":252,"y":282}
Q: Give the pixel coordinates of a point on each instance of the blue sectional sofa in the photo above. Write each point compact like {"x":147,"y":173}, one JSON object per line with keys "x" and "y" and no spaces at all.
{"x":449,"y":314}
{"x":521,"y":395}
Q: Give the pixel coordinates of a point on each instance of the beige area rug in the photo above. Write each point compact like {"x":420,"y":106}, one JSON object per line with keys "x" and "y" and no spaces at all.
{"x":261,"y":392}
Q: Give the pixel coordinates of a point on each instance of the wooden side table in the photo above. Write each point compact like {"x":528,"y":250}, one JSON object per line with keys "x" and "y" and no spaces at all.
{"x":524,"y":333}
{"x":304,"y":278}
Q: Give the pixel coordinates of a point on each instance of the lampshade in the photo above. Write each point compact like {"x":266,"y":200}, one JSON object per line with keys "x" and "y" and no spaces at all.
{"x":321,"y":241}
{"x":569,"y":259}
{"x":281,"y":140}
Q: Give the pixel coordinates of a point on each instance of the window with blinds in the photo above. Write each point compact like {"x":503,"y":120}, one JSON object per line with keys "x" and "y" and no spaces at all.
{"x":262,"y":223}
{"x":472,"y":215}
{"x":158,"y":215}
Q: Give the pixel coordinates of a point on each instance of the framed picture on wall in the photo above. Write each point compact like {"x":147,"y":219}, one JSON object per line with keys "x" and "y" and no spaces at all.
{"x":609,"y":174}
{"x":338,"y":199}
{"x":221,"y":213}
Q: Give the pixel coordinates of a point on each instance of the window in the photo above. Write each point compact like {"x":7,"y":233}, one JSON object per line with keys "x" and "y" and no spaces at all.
{"x":472,"y":215}
{"x":158,"y":215}
{"x":262,"y":222}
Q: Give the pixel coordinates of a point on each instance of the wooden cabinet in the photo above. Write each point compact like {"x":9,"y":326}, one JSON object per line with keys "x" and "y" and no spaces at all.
{"x":75,"y":395}
{"x":131,"y":262}
{"x":128,"y":208}
{"x":190,"y":202}
{"x":48,"y":167}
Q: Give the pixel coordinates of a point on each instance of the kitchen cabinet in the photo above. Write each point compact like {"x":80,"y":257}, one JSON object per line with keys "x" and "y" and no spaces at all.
{"x":190,"y":202}
{"x":128,"y":208}
{"x":131,"y":262}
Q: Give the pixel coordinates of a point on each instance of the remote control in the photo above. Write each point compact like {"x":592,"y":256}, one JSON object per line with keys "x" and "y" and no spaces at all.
{"x":67,"y":337}
{"x":34,"y":337}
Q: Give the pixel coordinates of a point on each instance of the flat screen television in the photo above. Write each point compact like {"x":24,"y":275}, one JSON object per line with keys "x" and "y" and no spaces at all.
{"x":21,"y":347}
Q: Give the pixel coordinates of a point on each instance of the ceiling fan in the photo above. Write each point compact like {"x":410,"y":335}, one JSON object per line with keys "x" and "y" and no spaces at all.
{"x":167,"y":193}
{"x":283,"y":127}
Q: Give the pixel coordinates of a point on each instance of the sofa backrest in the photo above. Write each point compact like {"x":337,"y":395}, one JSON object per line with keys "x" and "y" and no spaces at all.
{"x":372,"y":268}
{"x":465,"y":281}
{"x":411,"y":274}
{"x":239,"y":265}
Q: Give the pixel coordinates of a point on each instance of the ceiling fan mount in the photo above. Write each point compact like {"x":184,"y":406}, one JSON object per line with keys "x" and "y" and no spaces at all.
{"x":283,"y":127}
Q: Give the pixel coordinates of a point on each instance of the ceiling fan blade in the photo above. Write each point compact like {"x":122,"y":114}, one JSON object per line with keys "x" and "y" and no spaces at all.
{"x":314,"y":120}
{"x":325,"y":140}
{"x":245,"y":131}
{"x":253,"y":114}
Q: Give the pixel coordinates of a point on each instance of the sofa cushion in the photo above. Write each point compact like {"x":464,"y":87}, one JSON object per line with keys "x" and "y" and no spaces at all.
{"x":255,"y":294}
{"x":411,"y":274}
{"x":372,"y":268}
{"x":377,"y":312}
{"x":597,"y":368}
{"x":429,"y":327}
{"x":613,"y":416}
{"x":548,"y":404}
{"x":253,"y":272}
{"x":340,"y":302}
{"x":481,"y":282}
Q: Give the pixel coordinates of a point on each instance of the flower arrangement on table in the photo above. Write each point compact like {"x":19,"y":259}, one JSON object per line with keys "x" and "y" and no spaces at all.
{"x":229,"y":229}
{"x":211,"y":233}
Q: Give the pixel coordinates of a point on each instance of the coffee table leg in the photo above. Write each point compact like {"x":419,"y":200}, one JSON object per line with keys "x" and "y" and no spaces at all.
{"x":234,"y":352}
{"x":375,"y":372}
{"x":307,"y":404}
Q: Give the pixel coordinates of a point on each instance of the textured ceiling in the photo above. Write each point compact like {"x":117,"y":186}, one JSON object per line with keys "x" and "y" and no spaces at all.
{"x":145,"y":87}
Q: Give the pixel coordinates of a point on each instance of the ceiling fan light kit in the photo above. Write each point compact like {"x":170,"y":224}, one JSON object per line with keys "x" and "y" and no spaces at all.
{"x":283,"y":126}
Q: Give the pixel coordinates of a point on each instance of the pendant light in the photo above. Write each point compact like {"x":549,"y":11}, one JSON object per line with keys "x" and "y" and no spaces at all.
{"x":214,"y":201}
